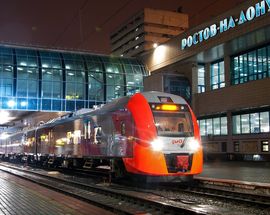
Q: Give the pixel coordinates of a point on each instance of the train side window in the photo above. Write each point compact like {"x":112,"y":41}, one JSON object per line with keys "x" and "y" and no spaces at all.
{"x":265,"y":146}
{"x":123,"y":128}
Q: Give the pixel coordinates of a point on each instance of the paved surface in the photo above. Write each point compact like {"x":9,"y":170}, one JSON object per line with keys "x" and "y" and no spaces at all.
{"x":242,"y":171}
{"x":21,"y":197}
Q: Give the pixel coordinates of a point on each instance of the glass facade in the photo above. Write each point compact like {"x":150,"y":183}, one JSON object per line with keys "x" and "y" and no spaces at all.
{"x":63,"y":81}
{"x":201,"y":78}
{"x":213,"y":126}
{"x":177,"y":85}
{"x":251,"y":123}
{"x":252,"y":65}
{"x":217,"y":77}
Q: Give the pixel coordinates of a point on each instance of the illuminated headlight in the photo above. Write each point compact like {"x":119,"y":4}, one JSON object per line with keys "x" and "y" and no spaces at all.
{"x":157,"y":145}
{"x":194,"y":145}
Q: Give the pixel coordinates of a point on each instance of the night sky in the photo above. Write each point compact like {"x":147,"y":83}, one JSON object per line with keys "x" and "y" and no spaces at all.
{"x":85,"y":24}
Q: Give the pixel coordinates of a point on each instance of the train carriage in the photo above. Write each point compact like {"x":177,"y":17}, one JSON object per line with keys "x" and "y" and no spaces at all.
{"x":150,"y":133}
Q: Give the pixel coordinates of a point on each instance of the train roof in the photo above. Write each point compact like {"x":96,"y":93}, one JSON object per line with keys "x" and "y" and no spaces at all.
{"x":157,"y":97}
{"x":120,"y":103}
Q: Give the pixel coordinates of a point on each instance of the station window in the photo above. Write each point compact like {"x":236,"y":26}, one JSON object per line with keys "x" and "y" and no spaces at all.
{"x":236,"y":146}
{"x":213,"y":126}
{"x":201,"y":78}
{"x":251,"y":123}
{"x":265,"y":146}
{"x":252,"y":65}
{"x":223,"y":147}
{"x":27,"y":73}
{"x":217,"y":78}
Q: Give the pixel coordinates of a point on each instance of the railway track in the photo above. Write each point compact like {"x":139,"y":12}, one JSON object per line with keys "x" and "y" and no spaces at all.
{"x":118,"y":201}
{"x":262,"y":201}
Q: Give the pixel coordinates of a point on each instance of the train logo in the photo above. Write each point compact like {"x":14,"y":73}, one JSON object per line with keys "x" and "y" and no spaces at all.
{"x":178,"y":142}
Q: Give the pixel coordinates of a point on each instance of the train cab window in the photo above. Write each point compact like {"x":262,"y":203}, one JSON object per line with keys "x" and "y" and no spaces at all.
{"x":181,"y":127}
{"x":123,"y":128}
{"x":265,"y":146}
{"x":173,"y":124}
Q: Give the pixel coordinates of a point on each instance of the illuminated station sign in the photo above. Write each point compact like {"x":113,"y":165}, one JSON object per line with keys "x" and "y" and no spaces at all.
{"x":224,"y":25}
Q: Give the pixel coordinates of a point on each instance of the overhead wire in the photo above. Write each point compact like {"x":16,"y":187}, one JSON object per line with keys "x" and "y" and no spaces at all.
{"x":105,"y":22}
{"x":84,"y":4}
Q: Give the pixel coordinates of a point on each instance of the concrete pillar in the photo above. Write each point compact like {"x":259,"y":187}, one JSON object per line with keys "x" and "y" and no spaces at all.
{"x":230,"y":131}
{"x":194,"y":82}
{"x":227,"y":69}
{"x":207,"y":77}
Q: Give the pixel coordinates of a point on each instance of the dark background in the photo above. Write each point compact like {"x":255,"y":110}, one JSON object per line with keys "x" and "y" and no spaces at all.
{"x":86,"y":24}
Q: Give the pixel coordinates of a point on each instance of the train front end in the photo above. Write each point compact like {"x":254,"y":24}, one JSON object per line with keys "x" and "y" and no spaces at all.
{"x":167,"y":139}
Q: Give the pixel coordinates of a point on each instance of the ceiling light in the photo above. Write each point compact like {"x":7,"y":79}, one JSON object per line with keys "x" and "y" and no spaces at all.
{"x":11,"y":103}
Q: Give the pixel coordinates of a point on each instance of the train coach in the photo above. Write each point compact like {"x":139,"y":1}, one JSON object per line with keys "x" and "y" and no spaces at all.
{"x":151,"y":134}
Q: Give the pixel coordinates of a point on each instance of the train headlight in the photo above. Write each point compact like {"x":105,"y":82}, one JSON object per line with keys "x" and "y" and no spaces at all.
{"x":194,"y":145}
{"x":157,"y":145}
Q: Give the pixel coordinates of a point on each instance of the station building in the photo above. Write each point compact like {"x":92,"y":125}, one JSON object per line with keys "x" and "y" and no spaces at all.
{"x":227,"y":64}
{"x":146,"y":29}
{"x":44,"y":80}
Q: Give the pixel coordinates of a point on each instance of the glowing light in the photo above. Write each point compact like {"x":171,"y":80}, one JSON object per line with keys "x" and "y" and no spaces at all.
{"x":23,"y":64}
{"x":169,"y":107}
{"x":159,"y":54}
{"x":4,"y":136}
{"x":11,"y":103}
{"x":23,"y":104}
{"x":136,"y":47}
{"x":109,"y":70}
{"x":157,"y":145}
{"x":194,"y":145}
{"x":155,"y":45}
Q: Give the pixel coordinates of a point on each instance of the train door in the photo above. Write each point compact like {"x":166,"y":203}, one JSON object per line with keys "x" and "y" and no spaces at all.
{"x":123,"y":133}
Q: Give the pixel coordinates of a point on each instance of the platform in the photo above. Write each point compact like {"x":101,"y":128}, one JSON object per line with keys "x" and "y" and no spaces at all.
{"x":18,"y":196}
{"x":258,"y":172}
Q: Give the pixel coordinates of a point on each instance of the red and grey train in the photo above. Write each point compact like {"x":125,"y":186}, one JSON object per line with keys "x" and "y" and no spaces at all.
{"x":149,"y":133}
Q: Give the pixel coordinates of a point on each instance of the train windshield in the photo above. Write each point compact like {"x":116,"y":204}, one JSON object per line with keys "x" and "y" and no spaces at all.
{"x":173,"y":124}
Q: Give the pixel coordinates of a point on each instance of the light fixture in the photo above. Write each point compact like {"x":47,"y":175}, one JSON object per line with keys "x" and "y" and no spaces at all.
{"x":23,"y":64}
{"x":157,"y":145}
{"x":194,"y":145}
{"x":23,"y":104}
{"x":155,"y":45}
{"x":11,"y":103}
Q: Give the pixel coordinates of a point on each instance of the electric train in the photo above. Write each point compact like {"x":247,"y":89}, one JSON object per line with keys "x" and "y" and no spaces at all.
{"x":147,"y":134}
